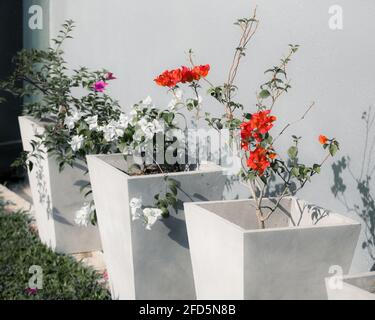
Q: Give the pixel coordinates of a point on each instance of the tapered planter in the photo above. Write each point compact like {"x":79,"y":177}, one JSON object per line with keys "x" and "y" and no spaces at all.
{"x":147,"y":264}
{"x":233,"y":259}
{"x":352,"y":287}
{"x":57,"y":197}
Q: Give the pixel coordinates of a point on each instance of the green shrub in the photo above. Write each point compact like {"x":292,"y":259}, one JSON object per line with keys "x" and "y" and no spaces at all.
{"x":63,"y":277}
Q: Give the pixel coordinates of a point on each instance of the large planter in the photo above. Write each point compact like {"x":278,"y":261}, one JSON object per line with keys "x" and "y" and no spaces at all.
{"x":352,"y":287}
{"x":57,"y":197}
{"x":147,"y":264}
{"x":233,"y":259}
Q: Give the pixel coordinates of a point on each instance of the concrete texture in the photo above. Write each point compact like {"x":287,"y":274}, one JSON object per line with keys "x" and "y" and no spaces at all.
{"x":354,"y":287}
{"x":233,"y":259}
{"x":56,"y":198}
{"x":15,"y":202}
{"x":334,"y":68}
{"x":146,"y":264}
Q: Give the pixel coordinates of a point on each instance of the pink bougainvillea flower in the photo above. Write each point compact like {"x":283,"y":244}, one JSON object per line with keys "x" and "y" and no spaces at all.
{"x":31,"y":291}
{"x":99,"y":86}
{"x":110,"y":76}
{"x":105,"y":276}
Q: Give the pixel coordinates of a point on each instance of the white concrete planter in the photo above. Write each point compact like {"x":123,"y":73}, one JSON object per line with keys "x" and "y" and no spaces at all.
{"x":233,"y":259}
{"x":146,"y":264}
{"x":353,"y":287}
{"x":56,"y":198}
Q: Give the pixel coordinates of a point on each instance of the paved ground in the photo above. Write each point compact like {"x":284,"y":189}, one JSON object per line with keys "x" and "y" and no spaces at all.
{"x":18,"y":197}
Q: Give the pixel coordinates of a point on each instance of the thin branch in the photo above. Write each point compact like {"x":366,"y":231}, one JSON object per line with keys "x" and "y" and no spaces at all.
{"x":295,"y":122}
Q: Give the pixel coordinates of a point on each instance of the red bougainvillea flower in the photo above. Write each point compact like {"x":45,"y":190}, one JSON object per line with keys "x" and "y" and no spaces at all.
{"x":258,"y":160}
{"x":164,"y":79}
{"x":259,"y":124}
{"x":176,"y":76}
{"x":323,"y":139}
{"x":99,"y":86}
{"x":167,"y":79}
{"x":272,"y":155}
{"x":187,"y":75}
{"x":262,"y":121}
{"x":110,"y":76}
{"x":201,"y":70}
{"x":170,"y":78}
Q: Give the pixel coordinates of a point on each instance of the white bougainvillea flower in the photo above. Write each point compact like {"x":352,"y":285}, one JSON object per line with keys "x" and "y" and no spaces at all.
{"x":109,"y":132}
{"x":115,"y":129}
{"x":147,"y":101}
{"x":83,"y":215}
{"x":77,"y":142}
{"x":119,"y":131}
{"x":123,"y":121}
{"x":151,"y":215}
{"x":112,"y":131}
{"x":135,"y":205}
{"x":133,"y":115}
{"x":175,"y":133}
{"x":138,"y":135}
{"x":151,"y":128}
{"x":177,"y":98}
{"x":92,"y":122}
{"x":71,"y":120}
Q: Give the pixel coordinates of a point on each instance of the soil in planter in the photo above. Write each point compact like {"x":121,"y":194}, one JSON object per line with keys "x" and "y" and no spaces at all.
{"x":136,"y":170}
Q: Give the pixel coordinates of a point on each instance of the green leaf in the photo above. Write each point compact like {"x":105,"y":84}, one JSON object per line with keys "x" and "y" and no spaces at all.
{"x":295,"y":172}
{"x":165,"y":212}
{"x":317,"y":168}
{"x":173,"y":189}
{"x":333,"y":148}
{"x":251,"y":176}
{"x":264,"y":94}
{"x":293,"y":152}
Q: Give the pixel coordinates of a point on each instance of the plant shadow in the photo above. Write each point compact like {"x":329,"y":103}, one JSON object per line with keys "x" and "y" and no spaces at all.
{"x":344,"y":179}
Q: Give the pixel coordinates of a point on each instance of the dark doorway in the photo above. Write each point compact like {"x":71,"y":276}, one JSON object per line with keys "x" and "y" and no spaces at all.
{"x":10,"y":42}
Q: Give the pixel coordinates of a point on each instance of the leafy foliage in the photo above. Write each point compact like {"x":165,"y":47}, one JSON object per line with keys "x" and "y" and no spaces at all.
{"x":79,"y":117}
{"x":63,"y":278}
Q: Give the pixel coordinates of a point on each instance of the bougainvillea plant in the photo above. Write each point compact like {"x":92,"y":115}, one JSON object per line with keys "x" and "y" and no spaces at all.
{"x":80,"y":118}
{"x":261,"y":163}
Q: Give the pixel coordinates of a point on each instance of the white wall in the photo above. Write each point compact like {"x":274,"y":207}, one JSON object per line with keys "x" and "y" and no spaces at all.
{"x":139,"y":39}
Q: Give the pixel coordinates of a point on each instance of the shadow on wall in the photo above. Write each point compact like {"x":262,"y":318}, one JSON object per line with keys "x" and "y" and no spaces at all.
{"x":344,"y":177}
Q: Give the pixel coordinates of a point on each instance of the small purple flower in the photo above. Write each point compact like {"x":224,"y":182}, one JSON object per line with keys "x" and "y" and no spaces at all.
{"x":110,"y":76}
{"x":31,"y":291}
{"x":99,"y":86}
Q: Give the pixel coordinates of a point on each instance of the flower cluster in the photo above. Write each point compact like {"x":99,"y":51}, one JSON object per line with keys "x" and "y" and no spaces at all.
{"x":258,"y":125}
{"x":259,"y":159}
{"x":84,"y":215}
{"x":253,"y":133}
{"x":100,"y":86}
{"x":171,"y":78}
{"x":121,"y":133}
{"x":148,"y":215}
